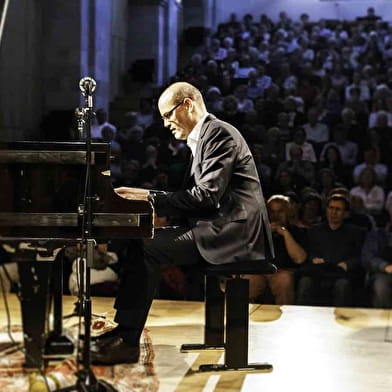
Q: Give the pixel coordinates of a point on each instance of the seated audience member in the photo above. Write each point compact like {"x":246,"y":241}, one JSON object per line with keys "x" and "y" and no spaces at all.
{"x":377,"y":261}
{"x":272,"y":105}
{"x":100,"y":121}
{"x":243,"y":67}
{"x":302,"y":171}
{"x":333,"y":161}
{"x":293,"y":213}
{"x":214,"y":100}
{"x":245,"y":104}
{"x":213,"y":73}
{"x":358,"y":216}
{"x":145,"y":115}
{"x":299,"y":139}
{"x":273,"y":148}
{"x":230,"y":112}
{"x":334,"y":257}
{"x":284,"y":183}
{"x":384,"y":137}
{"x":354,"y":130}
{"x":370,"y":160}
{"x":125,"y":133}
{"x":294,"y":107}
{"x":348,"y":149}
{"x":363,"y":87}
{"x":379,"y":118}
{"x":310,"y":210}
{"x":216,"y":51}
{"x":258,"y":82}
{"x":316,"y":132}
{"x":372,"y":195}
{"x":150,"y":165}
{"x":288,"y":243}
{"x":359,"y":107}
{"x":133,"y":147}
{"x":130,"y":171}
{"x":285,"y":130}
{"x":326,"y":182}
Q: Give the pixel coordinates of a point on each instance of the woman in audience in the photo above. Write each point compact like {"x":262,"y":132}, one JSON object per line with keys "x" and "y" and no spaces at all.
{"x":299,"y":139}
{"x":372,"y":195}
{"x":333,"y":161}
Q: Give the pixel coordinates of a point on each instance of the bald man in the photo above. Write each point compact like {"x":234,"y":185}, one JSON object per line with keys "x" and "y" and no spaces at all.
{"x":221,"y":200}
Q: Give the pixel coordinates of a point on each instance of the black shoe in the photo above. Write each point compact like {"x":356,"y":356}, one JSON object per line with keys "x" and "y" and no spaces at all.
{"x":113,"y":351}
{"x":109,"y":334}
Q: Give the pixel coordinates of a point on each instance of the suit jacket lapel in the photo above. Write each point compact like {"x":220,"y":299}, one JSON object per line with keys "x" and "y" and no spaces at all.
{"x":203,"y":130}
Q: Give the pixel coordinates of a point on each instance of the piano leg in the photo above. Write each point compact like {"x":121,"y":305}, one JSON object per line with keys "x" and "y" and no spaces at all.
{"x":58,"y":344}
{"x":34,"y":293}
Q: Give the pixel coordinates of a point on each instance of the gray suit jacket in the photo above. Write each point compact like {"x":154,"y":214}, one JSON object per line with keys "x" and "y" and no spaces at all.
{"x":223,"y":197}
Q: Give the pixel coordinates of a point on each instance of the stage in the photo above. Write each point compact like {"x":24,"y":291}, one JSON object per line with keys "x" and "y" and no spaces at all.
{"x":311,"y":348}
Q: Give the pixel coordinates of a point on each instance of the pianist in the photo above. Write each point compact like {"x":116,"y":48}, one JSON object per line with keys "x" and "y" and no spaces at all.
{"x":221,"y":200}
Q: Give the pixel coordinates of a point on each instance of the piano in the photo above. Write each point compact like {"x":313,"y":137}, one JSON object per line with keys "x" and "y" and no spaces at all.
{"x":42,"y":207}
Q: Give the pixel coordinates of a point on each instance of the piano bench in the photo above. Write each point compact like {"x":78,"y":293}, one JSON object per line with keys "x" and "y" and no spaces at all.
{"x":227,"y":314}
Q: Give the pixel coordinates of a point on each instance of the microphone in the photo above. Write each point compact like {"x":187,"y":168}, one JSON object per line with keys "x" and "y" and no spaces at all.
{"x":87,"y":86}
{"x":79,"y":113}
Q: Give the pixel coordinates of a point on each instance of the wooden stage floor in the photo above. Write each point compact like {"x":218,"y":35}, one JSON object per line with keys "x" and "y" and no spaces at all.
{"x":311,"y":348}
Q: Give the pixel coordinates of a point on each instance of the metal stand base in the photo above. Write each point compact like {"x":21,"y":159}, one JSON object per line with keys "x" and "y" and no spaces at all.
{"x":58,"y":346}
{"x":87,"y":382}
{"x":256,"y":367}
{"x":198,"y":347}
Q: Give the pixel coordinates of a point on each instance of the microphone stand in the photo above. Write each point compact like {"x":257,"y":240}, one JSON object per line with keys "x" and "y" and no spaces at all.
{"x":3,"y":18}
{"x":86,"y":379}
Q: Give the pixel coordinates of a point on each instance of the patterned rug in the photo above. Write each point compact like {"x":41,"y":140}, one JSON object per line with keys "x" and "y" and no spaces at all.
{"x":138,"y":377}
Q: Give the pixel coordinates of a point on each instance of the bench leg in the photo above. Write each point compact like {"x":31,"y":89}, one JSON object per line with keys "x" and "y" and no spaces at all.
{"x":214,"y":317}
{"x":237,"y":330}
{"x":237,"y":322}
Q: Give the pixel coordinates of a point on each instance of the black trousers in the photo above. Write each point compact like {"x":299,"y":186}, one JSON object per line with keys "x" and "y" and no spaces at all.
{"x":140,"y":276}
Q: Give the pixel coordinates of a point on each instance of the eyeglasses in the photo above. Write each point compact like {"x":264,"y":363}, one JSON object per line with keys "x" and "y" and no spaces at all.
{"x":167,"y":115}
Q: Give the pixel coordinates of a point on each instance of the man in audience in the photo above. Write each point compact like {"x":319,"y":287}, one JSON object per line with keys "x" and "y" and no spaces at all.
{"x":377,"y":261}
{"x":289,"y":253}
{"x":303,"y":171}
{"x":334,"y":256}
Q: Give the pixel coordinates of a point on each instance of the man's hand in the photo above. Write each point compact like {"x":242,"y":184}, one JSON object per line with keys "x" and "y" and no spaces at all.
{"x":132,"y":193}
{"x":277,"y":228}
{"x":318,"y":260}
{"x":343,"y":265}
{"x":388,"y":269}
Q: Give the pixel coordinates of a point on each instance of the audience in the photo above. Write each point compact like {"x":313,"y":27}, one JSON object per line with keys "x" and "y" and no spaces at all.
{"x":309,"y":97}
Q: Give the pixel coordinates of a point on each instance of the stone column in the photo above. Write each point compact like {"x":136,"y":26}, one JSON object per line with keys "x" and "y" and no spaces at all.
{"x":173,"y":11}
{"x":148,"y":33}
{"x":63,"y":53}
{"x":21,"y":70}
{"x":199,"y":18}
{"x":199,"y":13}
